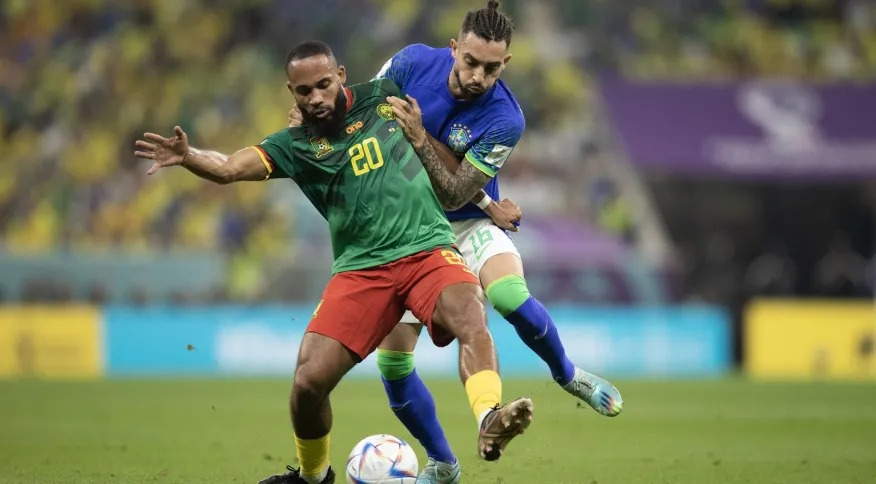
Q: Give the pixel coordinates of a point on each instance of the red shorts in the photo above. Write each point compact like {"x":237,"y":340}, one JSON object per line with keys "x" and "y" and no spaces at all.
{"x":359,"y":308}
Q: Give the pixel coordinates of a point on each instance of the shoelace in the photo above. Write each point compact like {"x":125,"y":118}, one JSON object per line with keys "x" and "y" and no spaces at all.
{"x":439,"y":471}
{"x":577,"y":384}
{"x":431,"y":468}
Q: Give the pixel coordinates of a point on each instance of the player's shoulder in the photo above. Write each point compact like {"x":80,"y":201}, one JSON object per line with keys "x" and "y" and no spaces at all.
{"x":286,"y":141}
{"x":507,"y":108}
{"x":421,"y":60}
{"x":421,"y":53}
{"x":282,"y":136}
{"x":378,"y":89}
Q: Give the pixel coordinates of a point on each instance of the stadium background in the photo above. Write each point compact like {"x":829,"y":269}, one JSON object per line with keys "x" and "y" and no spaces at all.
{"x":697,"y":186}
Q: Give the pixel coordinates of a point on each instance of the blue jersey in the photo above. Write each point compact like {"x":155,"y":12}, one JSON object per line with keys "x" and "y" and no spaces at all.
{"x":484,"y":130}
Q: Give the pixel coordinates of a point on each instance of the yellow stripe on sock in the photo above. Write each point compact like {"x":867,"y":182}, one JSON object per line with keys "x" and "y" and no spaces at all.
{"x":484,"y":390}
{"x":313,"y":455}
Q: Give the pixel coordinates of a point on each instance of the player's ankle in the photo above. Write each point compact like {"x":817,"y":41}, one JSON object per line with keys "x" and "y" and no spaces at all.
{"x":315,"y":478}
{"x":482,"y":416}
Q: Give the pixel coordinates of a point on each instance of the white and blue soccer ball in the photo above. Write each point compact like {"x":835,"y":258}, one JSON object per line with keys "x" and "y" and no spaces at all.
{"x":382,"y":459}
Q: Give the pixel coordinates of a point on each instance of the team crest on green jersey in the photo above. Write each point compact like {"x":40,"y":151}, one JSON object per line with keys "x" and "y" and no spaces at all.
{"x":385,"y":111}
{"x":321,"y":146}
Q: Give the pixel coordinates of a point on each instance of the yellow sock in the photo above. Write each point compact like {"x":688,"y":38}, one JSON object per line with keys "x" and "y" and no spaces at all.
{"x":484,"y":390}
{"x":313,"y":455}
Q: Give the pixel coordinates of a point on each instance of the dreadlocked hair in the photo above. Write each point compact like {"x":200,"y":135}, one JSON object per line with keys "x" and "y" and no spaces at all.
{"x":488,"y":23}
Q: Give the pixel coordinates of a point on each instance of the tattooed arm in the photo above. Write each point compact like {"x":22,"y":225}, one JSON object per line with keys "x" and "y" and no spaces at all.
{"x":454,"y":188}
{"x":452,"y":162}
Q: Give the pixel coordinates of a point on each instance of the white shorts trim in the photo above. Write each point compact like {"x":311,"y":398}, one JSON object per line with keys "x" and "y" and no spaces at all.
{"x":478,"y":240}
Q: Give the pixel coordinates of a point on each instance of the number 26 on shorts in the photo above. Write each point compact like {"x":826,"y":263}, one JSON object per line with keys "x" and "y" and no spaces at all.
{"x":452,"y":257}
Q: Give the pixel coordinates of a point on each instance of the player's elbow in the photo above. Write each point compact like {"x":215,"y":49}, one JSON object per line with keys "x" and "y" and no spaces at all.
{"x":220,"y":179}
{"x":225,"y":175}
{"x":224,"y":179}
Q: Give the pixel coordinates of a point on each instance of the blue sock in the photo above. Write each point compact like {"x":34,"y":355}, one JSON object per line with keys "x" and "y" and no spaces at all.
{"x":536,"y":328}
{"x":412,"y":403}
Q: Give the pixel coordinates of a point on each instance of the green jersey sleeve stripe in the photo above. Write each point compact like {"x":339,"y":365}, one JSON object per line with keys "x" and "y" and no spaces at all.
{"x":266,"y":160}
{"x":480,"y":165}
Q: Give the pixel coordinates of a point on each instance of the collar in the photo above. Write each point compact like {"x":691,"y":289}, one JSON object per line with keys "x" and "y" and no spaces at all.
{"x":349,"y":94}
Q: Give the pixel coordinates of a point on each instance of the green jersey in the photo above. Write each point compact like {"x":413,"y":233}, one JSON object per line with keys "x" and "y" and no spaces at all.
{"x":368,"y":183}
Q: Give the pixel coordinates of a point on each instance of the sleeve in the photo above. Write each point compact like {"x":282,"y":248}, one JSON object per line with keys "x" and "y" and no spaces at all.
{"x":400,"y":66}
{"x":489,"y":153}
{"x":276,"y":153}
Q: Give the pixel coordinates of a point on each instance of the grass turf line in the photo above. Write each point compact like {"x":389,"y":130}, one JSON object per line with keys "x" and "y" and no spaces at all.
{"x":238,"y":431}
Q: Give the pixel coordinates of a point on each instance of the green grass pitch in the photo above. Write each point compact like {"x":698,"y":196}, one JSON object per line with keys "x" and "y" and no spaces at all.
{"x":237,"y":431}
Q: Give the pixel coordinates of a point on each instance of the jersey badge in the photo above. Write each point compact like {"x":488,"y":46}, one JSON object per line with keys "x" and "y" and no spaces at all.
{"x":459,"y":138}
{"x":321,"y":146}
{"x":497,"y":157}
{"x":385,"y":111}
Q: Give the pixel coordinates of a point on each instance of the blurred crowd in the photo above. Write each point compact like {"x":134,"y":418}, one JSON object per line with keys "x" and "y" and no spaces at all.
{"x":695,"y":39}
{"x":81,"y":80}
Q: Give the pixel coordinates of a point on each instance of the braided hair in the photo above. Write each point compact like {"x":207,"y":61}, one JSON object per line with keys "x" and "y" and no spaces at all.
{"x":488,"y":24}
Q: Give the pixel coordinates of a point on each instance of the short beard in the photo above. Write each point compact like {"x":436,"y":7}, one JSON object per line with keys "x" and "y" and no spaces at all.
{"x":332,"y":126}
{"x":466,"y":94}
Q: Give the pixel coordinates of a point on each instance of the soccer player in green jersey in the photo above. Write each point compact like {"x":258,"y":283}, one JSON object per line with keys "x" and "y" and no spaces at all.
{"x":393,"y":248}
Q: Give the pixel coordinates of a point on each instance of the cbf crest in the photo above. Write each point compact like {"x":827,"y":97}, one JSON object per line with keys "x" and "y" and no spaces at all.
{"x":459,"y":138}
{"x":321,"y":146}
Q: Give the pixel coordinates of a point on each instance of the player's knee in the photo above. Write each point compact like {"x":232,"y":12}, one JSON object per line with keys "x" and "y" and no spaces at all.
{"x":508,"y":293}
{"x":402,"y":338}
{"x":308,"y":386}
{"x":462,"y":310}
{"x":395,"y":365}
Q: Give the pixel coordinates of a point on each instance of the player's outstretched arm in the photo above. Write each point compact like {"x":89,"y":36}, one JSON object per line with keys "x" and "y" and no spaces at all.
{"x":453,"y":188}
{"x":244,"y":165}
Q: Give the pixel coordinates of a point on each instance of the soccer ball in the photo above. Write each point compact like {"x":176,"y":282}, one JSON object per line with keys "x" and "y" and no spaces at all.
{"x":382,"y":459}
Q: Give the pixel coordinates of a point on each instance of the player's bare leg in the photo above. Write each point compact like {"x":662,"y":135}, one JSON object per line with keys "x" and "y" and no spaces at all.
{"x":322,"y":362}
{"x":403,"y":337}
{"x":502,"y":276}
{"x":460,"y":311}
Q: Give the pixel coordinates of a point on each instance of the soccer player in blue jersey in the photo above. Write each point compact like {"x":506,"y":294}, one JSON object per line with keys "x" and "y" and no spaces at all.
{"x":456,"y":99}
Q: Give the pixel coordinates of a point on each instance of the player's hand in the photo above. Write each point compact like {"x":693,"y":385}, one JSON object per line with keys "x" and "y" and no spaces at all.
{"x":163,"y":151}
{"x":505,"y":214}
{"x":295,"y":118}
{"x":410,"y":118}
